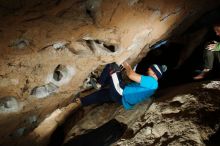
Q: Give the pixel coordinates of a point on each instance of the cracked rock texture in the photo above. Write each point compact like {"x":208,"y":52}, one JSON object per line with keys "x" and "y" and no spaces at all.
{"x":48,"y":49}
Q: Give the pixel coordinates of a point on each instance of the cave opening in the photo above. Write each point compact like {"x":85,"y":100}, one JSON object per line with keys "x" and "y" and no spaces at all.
{"x":172,"y":50}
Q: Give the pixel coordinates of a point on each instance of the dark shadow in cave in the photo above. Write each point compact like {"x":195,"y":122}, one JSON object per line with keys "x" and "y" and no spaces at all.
{"x":59,"y":134}
{"x":169,"y":53}
{"x":105,"y":135}
{"x":214,"y":139}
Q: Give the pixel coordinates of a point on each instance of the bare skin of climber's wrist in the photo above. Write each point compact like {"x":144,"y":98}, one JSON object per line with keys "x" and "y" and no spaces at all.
{"x":131,"y":74}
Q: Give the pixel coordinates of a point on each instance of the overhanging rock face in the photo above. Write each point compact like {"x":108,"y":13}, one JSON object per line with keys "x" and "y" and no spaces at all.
{"x":48,"y":48}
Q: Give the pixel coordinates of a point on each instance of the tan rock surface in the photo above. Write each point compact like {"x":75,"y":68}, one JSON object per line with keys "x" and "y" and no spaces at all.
{"x":48,"y":48}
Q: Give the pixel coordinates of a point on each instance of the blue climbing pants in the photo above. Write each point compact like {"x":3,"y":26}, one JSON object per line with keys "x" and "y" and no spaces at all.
{"x":112,"y":93}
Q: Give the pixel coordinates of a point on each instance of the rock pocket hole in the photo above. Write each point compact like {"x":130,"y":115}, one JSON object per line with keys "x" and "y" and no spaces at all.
{"x":89,"y":13}
{"x":20,"y":43}
{"x":44,"y":90}
{"x":61,"y":75}
{"x":176,"y":104}
{"x":9,"y":104}
{"x":57,"y":75}
{"x":97,"y":45}
{"x":59,"y":72}
{"x":110,"y":47}
{"x":89,"y":44}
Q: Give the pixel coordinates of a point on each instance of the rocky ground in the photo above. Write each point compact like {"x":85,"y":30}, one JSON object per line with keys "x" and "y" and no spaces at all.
{"x":185,"y":115}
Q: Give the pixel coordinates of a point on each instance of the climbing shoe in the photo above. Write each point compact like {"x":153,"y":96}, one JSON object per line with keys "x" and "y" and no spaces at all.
{"x":203,"y":74}
{"x":113,"y":68}
{"x":94,"y":83}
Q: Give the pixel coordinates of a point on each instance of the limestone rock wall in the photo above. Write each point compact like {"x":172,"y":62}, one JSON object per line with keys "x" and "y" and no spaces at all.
{"x":48,"y":48}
